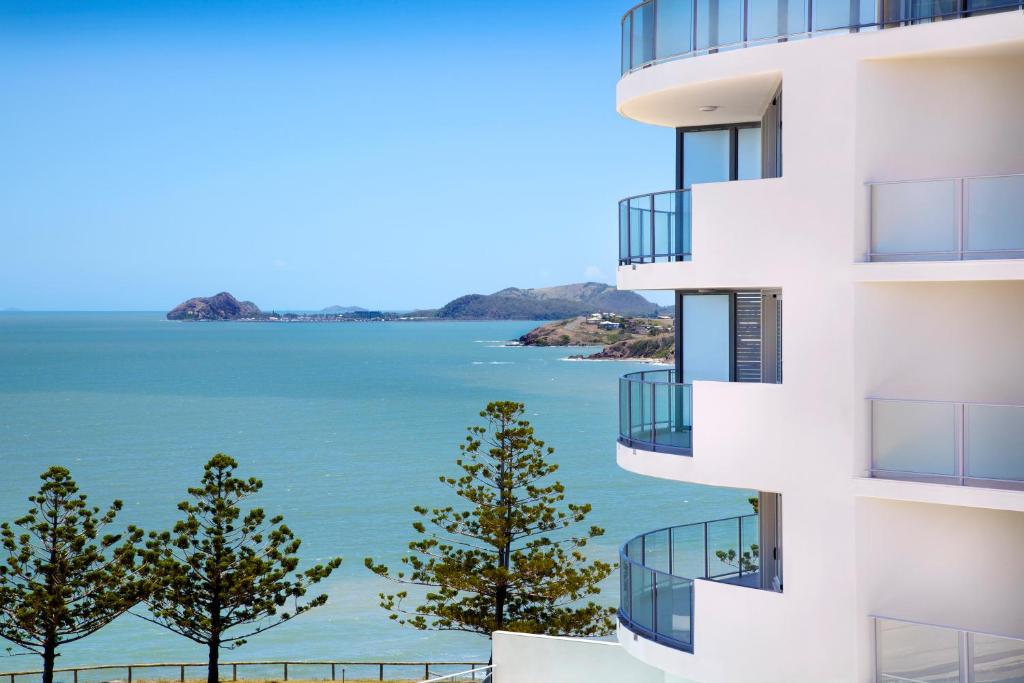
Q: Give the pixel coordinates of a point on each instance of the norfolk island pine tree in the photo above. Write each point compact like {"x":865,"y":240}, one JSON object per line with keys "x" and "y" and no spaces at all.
{"x":221,"y":575}
{"x":62,"y":578}
{"x":493,"y":564}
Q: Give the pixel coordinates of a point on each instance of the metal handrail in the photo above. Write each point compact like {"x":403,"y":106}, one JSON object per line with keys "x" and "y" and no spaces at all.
{"x":632,"y":377}
{"x":681,"y":250}
{"x":472,"y":672}
{"x":928,"y":624}
{"x":651,"y":194}
{"x":808,"y":30}
{"x":633,"y":567}
{"x":181,"y":666}
{"x":624,"y":554}
{"x":960,"y":218}
{"x":651,"y":433}
{"x":941,"y":179}
{"x":963,"y":667}
{"x":961,"y":444}
{"x":948,"y":403}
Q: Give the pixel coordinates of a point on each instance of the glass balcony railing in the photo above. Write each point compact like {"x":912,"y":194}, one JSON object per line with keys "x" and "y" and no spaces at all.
{"x":656,"y":412}
{"x":970,"y":444}
{"x":661,"y":30}
{"x":657,"y":571}
{"x":949,"y":219}
{"x":655,"y":227}
{"x":908,"y":652}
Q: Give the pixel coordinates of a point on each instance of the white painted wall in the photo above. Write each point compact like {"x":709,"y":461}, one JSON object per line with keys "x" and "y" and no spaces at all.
{"x":956,"y":342}
{"x":940,"y":117}
{"x":941,"y":564}
{"x":526,"y":658}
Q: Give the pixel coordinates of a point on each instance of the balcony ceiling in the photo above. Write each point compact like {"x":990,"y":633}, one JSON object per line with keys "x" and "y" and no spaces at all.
{"x":738,"y":99}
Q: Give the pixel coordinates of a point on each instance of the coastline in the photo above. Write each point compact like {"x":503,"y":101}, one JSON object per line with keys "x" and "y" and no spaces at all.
{"x":648,"y":361}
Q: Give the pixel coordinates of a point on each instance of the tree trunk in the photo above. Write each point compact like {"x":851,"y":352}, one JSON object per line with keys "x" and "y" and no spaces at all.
{"x":213,"y":668}
{"x":49,"y":657}
{"x":499,"y":607}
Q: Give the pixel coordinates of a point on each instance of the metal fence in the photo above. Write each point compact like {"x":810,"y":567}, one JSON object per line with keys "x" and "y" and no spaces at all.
{"x":656,"y":412}
{"x":662,"y":30}
{"x":912,"y":652}
{"x":655,"y":227}
{"x":947,"y":219}
{"x":969,"y":444}
{"x":657,"y":570}
{"x":483,"y":674}
{"x":283,"y":670}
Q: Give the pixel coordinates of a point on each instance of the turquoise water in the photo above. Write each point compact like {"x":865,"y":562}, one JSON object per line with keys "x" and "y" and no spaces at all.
{"x":348,"y":425}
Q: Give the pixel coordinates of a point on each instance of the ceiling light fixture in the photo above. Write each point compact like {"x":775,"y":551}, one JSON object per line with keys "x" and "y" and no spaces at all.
{"x":709,"y":107}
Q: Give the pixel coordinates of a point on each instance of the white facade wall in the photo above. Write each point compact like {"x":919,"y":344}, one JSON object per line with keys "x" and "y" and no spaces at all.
{"x":525,"y":658}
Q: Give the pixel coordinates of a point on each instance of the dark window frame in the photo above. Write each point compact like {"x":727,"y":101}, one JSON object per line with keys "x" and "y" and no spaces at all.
{"x":734,"y":152}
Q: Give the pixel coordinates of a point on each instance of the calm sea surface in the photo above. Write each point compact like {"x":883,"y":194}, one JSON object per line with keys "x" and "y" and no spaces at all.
{"x":348,"y":425}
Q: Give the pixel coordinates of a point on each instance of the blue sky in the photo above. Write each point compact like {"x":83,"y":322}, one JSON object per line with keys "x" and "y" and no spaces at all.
{"x":388,"y":154}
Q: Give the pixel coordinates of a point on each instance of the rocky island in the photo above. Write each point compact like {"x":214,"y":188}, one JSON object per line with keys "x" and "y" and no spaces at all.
{"x":623,"y":338}
{"x":224,"y":306}
{"x":221,"y":306}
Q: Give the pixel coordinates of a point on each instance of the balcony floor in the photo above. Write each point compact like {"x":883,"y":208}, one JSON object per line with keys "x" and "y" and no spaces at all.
{"x":748,"y":580}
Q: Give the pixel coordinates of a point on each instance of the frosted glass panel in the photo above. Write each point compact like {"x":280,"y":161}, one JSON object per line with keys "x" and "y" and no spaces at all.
{"x":914,"y":437}
{"x":909,"y":652}
{"x":915,"y":218}
{"x":705,"y":157}
{"x":706,"y":337}
{"x":749,"y":153}
{"x":998,"y":660}
{"x":995,"y":442}
{"x":995,"y":215}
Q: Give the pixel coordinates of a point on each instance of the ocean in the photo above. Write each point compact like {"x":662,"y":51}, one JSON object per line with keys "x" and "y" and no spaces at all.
{"x":348,"y":425}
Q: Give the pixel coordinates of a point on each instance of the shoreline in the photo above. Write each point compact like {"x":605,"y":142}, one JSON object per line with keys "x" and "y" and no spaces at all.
{"x":648,"y":361}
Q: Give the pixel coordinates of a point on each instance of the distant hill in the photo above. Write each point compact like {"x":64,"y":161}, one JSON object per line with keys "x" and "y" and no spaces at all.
{"x":221,"y":306}
{"x":547,"y":303}
{"x":343,"y":309}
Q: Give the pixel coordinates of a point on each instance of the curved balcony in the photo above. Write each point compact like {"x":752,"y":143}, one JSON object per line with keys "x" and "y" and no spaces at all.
{"x":662,"y":30}
{"x":656,"y":412}
{"x":654,"y":227}
{"x":657,"y":571}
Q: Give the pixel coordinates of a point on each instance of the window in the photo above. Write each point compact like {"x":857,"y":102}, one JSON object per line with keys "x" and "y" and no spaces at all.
{"x":722,"y":153}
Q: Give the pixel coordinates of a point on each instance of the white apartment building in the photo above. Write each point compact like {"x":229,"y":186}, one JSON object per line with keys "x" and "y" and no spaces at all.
{"x":862,"y":163}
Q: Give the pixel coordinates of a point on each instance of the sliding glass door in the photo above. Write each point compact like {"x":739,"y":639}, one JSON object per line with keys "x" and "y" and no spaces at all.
{"x":707,"y":337}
